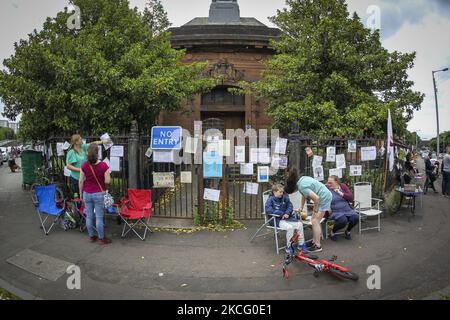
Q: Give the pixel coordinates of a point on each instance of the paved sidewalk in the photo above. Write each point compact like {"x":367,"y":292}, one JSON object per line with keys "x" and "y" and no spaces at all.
{"x":413,"y":257}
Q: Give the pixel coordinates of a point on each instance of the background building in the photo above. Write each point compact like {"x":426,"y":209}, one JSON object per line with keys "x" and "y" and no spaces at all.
{"x":236,"y":49}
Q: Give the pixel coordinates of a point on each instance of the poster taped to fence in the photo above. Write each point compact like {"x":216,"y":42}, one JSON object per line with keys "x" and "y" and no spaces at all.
{"x":225,"y":148}
{"x":60,"y":149}
{"x":211,"y":195}
{"x":239,"y":154}
{"x":336,"y":172}
{"x":66,"y":172}
{"x":212,"y":165}
{"x":163,"y":156}
{"x":355,"y":171}
{"x":368,"y":153}
{"x":254,"y":155}
{"x":100,"y":152}
{"x":163,"y":180}
{"x":279,"y":162}
{"x":340,"y":161}
{"x":351,"y":146}
{"x":318,"y":173}
{"x":66,"y":146}
{"x":317,"y":161}
{"x":251,"y":188}
{"x":114,"y":164}
{"x":246,"y":169}
{"x":280,"y":146}
{"x":263,"y":174}
{"x":191,"y":145}
{"x":116,"y":151}
{"x":186,"y":177}
{"x":331,"y":154}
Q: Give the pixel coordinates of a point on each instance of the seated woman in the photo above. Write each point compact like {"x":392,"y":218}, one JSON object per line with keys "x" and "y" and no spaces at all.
{"x":341,"y":211}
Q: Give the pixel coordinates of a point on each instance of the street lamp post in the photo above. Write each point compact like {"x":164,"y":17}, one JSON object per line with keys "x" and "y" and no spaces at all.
{"x":437,"y":109}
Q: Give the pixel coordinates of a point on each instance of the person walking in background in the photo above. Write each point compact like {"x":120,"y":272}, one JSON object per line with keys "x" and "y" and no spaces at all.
{"x":94,"y":176}
{"x":446,"y":174}
{"x":431,"y":175}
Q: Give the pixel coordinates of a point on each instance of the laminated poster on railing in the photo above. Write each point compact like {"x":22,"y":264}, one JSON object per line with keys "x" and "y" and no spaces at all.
{"x":281,"y":146}
{"x":211,"y":195}
{"x":340,"y":161}
{"x":318,"y":173}
{"x":60,"y":149}
{"x":355,"y":171}
{"x":351,"y":146}
{"x":331,"y":154}
{"x":336,"y":172}
{"x":117,"y":151}
{"x":186,"y":177}
{"x":368,"y":153}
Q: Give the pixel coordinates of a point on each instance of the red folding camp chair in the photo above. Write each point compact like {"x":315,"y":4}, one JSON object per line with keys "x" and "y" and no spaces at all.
{"x":136,"y":211}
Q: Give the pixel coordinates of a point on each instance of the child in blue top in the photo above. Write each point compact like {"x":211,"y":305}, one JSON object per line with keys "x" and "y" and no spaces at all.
{"x":280,"y":206}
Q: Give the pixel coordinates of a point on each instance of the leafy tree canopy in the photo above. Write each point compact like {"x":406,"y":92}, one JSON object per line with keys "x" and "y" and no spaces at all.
{"x":118,"y":67}
{"x":332,"y":76}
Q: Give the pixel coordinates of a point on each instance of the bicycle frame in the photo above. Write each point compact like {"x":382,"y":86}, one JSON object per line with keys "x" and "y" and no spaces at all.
{"x":319,"y":265}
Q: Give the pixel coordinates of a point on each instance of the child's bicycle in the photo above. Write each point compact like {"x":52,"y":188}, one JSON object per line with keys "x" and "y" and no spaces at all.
{"x":317,"y":265}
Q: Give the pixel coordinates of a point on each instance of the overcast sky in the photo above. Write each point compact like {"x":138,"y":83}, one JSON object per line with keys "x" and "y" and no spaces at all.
{"x":406,"y":26}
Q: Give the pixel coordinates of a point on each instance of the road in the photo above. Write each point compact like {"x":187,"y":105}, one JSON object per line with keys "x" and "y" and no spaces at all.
{"x":413,"y":258}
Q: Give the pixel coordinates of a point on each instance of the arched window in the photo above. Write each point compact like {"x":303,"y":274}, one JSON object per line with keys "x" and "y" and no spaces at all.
{"x":221,"y":96}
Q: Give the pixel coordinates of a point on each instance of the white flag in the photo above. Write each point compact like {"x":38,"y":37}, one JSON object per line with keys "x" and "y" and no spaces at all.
{"x":390,"y":142}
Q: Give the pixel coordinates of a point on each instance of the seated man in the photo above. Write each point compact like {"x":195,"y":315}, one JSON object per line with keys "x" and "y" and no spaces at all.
{"x":280,"y":206}
{"x":341,"y":210}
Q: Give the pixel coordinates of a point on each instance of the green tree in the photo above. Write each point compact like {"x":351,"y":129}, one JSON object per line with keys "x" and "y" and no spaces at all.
{"x":332,"y":76}
{"x":118,"y":67}
{"x":444,"y":142}
{"x":6,"y":134}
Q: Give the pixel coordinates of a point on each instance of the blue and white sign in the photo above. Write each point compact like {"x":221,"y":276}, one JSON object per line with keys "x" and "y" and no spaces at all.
{"x":166,"y":138}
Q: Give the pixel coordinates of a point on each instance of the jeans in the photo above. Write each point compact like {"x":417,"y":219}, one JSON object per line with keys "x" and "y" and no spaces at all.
{"x":290,"y":226}
{"x":91,"y":201}
{"x":352,"y":219}
{"x":446,"y":183}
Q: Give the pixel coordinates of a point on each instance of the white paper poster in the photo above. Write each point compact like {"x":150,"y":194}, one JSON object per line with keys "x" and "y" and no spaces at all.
{"x":186,"y":177}
{"x":318,"y":173}
{"x":60,"y":149}
{"x":66,"y":172}
{"x":317,"y":161}
{"x":198,"y":128}
{"x":66,"y":146}
{"x":100,"y":153}
{"x":191,"y":145}
{"x":163,"y":156}
{"x":340,"y":161}
{"x":331,"y":154}
{"x":263,"y":174}
{"x":114,"y":164}
{"x":149,"y":153}
{"x":225,"y":148}
{"x":355,"y":171}
{"x":163,"y":180}
{"x":368,"y":153}
{"x":211,"y":195}
{"x":239,"y":154}
{"x":254,"y":155}
{"x":264,"y":155}
{"x":336,"y":172}
{"x":106,"y":160}
{"x":116,"y":151}
{"x":251,"y":188}
{"x":281,"y":145}
{"x":49,"y":152}
{"x":247,"y":169}
{"x":351,"y":146}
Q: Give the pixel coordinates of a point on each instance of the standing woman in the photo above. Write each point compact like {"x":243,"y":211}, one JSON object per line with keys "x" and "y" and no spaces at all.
{"x":94,"y":177}
{"x":319,"y":194}
{"x":75,"y":158}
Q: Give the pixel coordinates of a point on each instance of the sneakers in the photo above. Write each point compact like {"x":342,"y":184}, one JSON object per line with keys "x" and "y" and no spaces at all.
{"x":348,"y":236}
{"x":93,"y":239}
{"x":303,"y":247}
{"x":315,"y":248}
{"x":104,"y":241}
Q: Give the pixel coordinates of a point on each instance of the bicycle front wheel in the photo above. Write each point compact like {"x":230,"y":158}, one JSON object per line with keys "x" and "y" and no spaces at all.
{"x":344,"y":275}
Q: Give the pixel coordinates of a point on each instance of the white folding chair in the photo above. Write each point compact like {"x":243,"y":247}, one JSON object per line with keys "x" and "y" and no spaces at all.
{"x":267,"y":221}
{"x":367,"y":206}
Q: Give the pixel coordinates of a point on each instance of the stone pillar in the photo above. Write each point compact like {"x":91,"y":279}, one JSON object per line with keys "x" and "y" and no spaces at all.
{"x":133,"y":156}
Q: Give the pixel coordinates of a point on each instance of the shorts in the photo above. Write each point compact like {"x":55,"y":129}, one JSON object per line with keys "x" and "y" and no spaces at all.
{"x":324,"y":207}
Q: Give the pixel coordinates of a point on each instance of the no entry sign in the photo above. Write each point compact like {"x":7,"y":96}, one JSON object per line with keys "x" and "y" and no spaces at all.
{"x":166,"y":138}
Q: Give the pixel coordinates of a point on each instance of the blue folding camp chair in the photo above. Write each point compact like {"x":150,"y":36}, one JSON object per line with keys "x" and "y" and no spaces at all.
{"x":46,"y":205}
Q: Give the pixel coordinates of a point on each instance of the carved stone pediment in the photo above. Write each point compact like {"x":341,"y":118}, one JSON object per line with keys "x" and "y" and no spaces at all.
{"x":225,"y":70}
